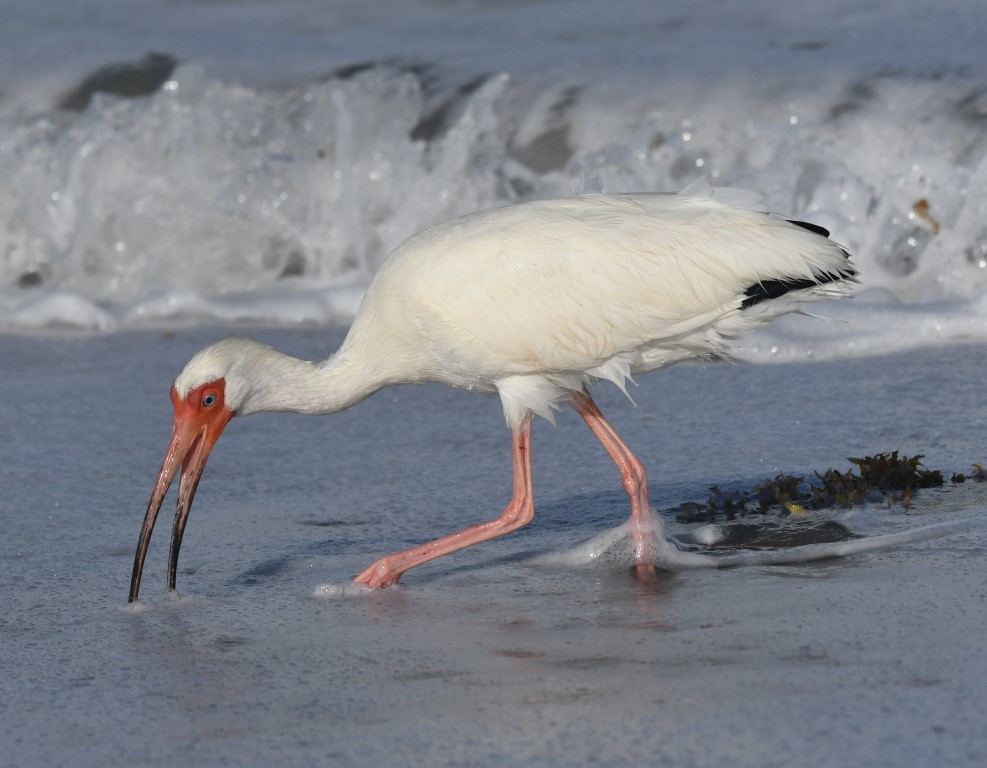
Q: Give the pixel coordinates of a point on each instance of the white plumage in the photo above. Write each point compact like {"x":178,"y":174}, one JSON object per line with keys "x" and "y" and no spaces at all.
{"x":541,"y":297}
{"x":533,"y":301}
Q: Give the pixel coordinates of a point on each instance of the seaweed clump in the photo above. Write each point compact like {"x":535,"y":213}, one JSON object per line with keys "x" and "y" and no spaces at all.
{"x":886,"y":477}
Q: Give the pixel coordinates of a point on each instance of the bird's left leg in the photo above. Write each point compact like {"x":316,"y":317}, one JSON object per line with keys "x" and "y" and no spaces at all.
{"x":519,"y":512}
{"x":635,"y":482}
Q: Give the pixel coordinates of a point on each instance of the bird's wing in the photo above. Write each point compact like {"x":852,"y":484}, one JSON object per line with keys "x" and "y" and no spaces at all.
{"x":565,"y":285}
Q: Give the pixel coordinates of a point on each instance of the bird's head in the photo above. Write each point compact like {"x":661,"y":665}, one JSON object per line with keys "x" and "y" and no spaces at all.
{"x":206,"y":395}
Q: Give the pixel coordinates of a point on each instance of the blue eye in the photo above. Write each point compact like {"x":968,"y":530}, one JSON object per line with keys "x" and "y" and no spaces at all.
{"x":209,"y":400}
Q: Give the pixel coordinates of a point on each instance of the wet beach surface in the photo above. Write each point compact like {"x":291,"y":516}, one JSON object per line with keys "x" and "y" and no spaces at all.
{"x":480,"y":658}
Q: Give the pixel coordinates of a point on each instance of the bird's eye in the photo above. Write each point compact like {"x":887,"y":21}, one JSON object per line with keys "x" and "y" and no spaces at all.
{"x":208,"y":401}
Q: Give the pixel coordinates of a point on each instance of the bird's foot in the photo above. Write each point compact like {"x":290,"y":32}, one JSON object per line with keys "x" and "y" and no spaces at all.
{"x":645,"y":573}
{"x":379,"y":575}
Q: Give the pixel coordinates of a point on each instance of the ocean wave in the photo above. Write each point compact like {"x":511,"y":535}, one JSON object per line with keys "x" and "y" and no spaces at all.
{"x":205,"y":200}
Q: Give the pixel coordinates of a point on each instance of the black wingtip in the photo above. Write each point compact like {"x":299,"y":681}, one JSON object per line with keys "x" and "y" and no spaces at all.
{"x":814,"y":228}
{"x":774,"y":289}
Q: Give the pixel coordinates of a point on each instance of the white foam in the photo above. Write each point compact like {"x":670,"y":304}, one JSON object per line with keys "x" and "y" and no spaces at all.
{"x":346,"y":589}
{"x":872,"y":323}
{"x":613,"y":547}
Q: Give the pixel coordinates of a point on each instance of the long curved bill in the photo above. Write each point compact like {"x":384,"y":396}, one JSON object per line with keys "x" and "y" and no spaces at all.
{"x":192,"y":439}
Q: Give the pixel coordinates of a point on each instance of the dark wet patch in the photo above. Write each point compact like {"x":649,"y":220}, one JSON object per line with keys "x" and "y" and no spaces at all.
{"x":516,"y":653}
{"x":781,"y":536}
{"x":427,"y":674}
{"x":515,"y":623}
{"x":228,"y":642}
{"x":271,"y":567}
{"x":703,"y":661}
{"x":591,"y":662}
{"x":557,"y":697}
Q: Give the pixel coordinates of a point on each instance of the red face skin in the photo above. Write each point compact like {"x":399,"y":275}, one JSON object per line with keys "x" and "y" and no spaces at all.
{"x":199,"y":421}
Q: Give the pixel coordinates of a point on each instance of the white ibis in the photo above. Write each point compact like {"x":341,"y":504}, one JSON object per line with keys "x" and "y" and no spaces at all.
{"x":533,"y":302}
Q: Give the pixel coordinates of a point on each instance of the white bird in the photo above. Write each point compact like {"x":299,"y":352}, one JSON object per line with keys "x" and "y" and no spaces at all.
{"x":533,"y":302}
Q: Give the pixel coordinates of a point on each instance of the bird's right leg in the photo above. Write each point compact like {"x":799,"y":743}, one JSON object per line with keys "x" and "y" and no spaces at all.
{"x":519,"y":512}
{"x":635,"y":483}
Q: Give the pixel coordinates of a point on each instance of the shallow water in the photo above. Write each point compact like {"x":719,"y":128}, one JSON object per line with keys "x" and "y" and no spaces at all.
{"x":481,"y":658}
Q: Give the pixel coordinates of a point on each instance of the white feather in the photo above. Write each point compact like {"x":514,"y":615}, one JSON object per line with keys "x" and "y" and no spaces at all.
{"x":599,"y":287}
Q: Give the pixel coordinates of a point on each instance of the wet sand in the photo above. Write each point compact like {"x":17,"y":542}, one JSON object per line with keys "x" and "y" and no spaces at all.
{"x":480,"y":658}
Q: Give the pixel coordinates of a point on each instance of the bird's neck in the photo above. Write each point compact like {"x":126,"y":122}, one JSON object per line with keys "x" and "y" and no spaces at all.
{"x":279,"y":382}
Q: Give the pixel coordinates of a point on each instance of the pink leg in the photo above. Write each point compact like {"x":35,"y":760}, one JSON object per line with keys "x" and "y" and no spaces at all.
{"x":519,"y":512}
{"x":635,"y":482}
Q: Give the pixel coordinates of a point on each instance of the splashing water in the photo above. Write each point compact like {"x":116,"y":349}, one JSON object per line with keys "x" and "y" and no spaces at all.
{"x":213,"y":201}
{"x":275,"y":198}
{"x":613,"y":548}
